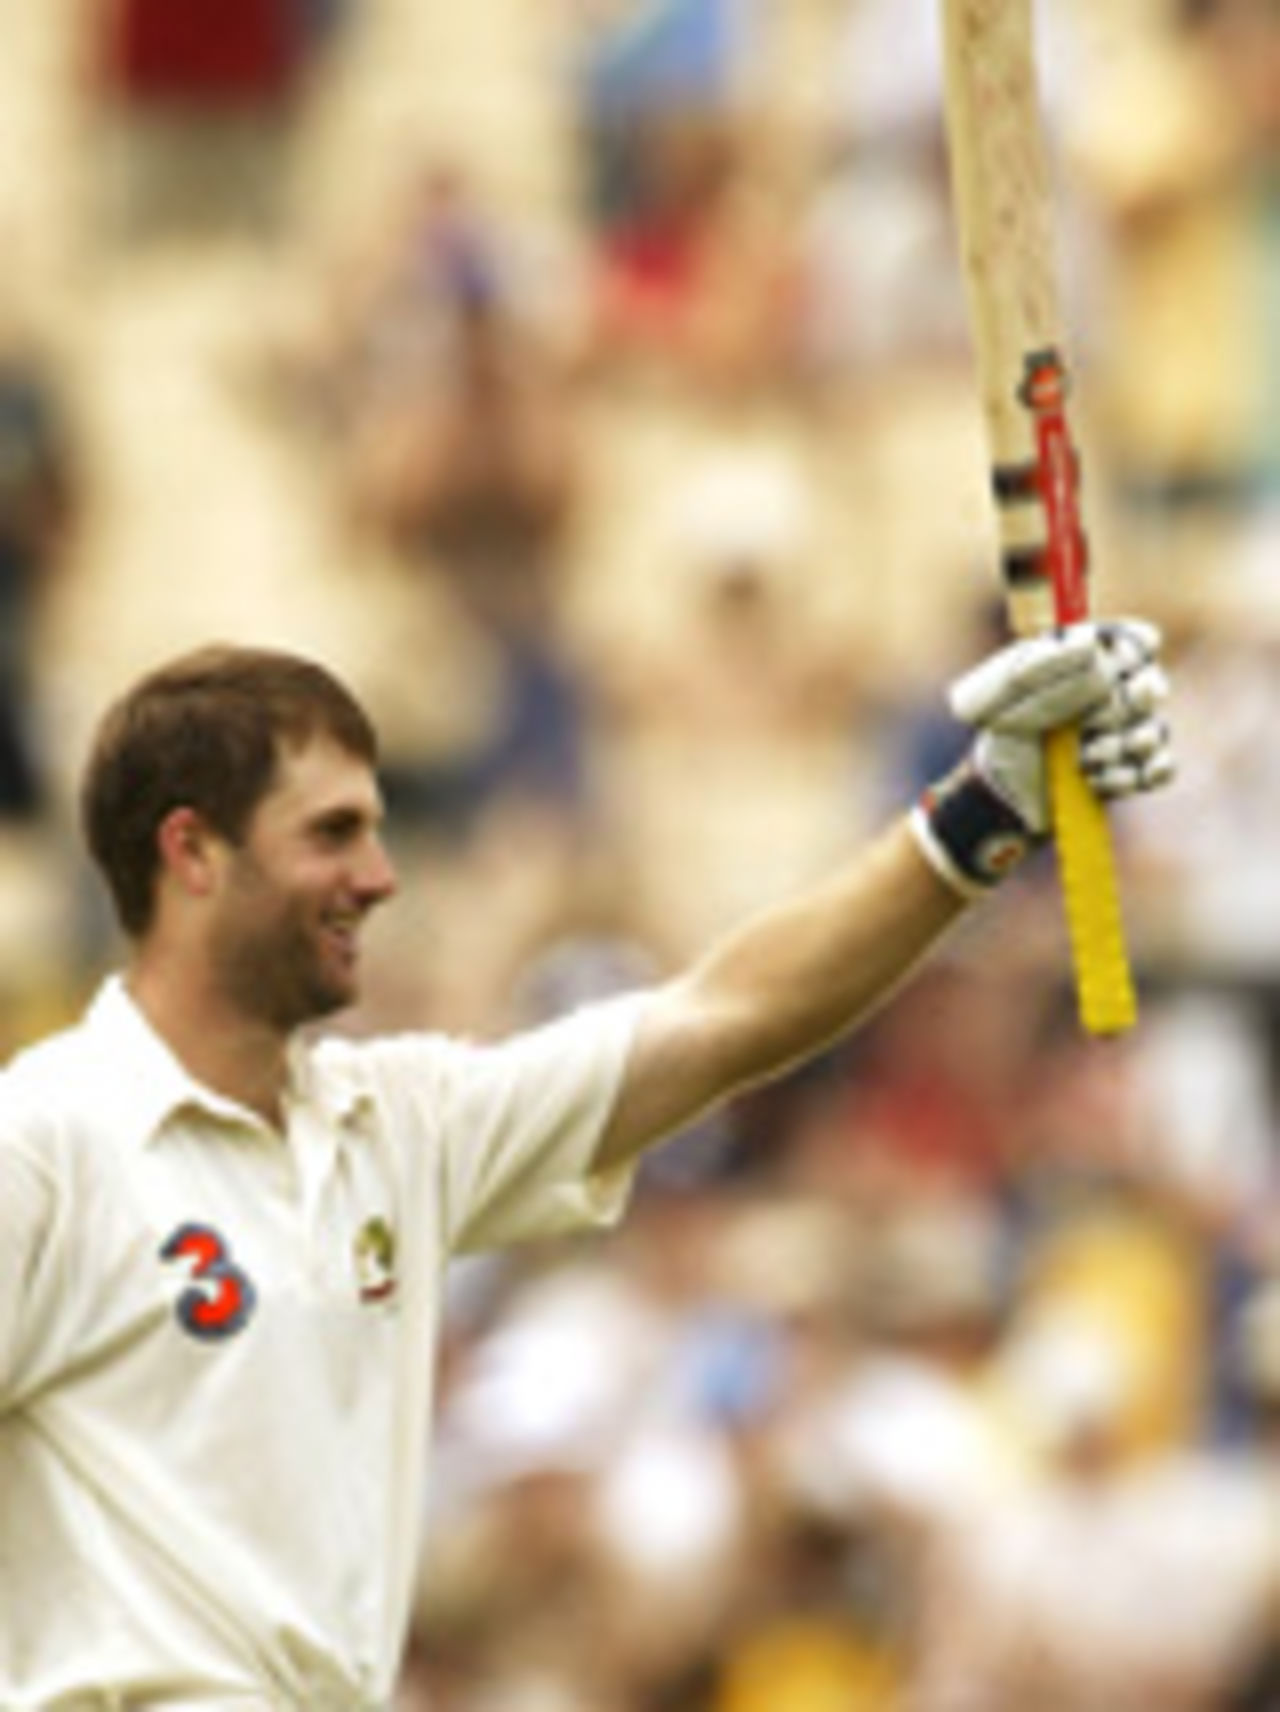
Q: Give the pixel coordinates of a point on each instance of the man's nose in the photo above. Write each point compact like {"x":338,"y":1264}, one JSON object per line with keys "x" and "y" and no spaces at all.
{"x":377,"y":879}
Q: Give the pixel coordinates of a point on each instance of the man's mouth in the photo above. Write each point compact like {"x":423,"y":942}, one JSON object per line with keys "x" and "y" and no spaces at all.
{"x":342,"y":935}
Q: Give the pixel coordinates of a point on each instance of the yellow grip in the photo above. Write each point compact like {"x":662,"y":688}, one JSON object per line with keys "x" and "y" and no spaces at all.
{"x":1091,"y":894}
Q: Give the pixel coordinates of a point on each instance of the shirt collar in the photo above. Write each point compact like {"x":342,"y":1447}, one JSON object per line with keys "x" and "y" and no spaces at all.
{"x":151,"y":1084}
{"x":148,"y":1078}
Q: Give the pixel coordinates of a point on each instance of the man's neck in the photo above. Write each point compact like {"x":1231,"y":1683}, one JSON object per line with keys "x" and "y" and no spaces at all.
{"x":241,"y":1058}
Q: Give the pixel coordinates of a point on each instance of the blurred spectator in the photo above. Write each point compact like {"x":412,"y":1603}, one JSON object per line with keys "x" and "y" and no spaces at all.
{"x":928,"y":1100}
{"x":1256,"y":1353}
{"x":1117,"y":1581}
{"x":1181,"y":156}
{"x":1119,"y":1256}
{"x":882,"y":277}
{"x":814,"y":1655}
{"x":389,"y":310}
{"x":237,"y":52}
{"x":641,"y":66}
{"x":906,"y":1440}
{"x":583,"y":1519}
{"x":525,"y":751}
{"x":435,"y":306}
{"x":39,"y":504}
{"x":1208,"y":859}
{"x":200,"y":96}
{"x":1205,"y":1138}
{"x":884,"y":280}
{"x":445,"y":413}
{"x":475,"y":469}
{"x":700,"y":280}
{"x":695,"y":262}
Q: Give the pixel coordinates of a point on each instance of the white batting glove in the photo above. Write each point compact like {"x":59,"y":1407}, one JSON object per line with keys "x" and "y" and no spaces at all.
{"x":980,"y":822}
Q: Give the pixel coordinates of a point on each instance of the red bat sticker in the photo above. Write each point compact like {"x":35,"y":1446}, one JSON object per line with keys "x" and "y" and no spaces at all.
{"x":1056,"y":481}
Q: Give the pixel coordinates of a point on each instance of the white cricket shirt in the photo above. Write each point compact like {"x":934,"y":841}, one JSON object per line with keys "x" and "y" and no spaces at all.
{"x":216,"y":1345}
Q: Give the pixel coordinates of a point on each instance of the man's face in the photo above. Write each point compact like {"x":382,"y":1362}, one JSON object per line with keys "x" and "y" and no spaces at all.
{"x":285,"y":941}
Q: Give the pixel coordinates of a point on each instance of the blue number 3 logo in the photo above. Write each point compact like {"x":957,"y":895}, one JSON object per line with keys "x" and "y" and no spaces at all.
{"x":221,"y":1298}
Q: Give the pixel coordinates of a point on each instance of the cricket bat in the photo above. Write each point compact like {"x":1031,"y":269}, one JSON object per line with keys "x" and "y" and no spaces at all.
{"x":1004,"y":216}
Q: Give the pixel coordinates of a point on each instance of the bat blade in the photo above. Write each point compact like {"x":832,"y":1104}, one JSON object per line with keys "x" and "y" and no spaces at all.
{"x":1004,"y":218}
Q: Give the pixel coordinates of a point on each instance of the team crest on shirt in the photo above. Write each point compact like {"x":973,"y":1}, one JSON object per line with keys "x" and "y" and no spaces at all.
{"x":374,"y":1251}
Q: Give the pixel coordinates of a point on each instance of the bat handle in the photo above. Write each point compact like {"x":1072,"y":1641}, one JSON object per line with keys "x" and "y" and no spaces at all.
{"x":1086,"y":860}
{"x":1090,"y":891}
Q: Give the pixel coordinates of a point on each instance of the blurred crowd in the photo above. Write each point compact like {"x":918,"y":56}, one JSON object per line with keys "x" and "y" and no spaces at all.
{"x":945,"y":1375}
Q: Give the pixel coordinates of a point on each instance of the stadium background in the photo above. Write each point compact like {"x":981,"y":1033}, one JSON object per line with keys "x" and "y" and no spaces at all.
{"x":587,"y":380}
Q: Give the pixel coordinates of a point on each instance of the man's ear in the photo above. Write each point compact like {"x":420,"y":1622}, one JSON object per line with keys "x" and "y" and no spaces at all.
{"x":189,"y":851}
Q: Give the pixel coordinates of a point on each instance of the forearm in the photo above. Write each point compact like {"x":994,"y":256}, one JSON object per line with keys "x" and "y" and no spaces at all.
{"x":781,"y":988}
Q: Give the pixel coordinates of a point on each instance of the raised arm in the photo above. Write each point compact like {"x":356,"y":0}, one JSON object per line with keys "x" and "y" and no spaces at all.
{"x":800,"y":975}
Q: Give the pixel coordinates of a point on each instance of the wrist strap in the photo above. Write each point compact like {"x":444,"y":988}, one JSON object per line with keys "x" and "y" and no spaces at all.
{"x":969,"y":833}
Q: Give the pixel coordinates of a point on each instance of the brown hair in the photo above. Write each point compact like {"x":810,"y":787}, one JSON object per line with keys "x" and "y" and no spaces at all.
{"x":204,"y":731}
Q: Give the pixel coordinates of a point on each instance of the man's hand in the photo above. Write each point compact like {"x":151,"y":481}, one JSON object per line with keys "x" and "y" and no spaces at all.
{"x":1107,"y":676}
{"x":977,"y":824}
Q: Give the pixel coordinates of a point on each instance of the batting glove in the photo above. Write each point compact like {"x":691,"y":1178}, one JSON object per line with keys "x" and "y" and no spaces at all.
{"x":979,"y":822}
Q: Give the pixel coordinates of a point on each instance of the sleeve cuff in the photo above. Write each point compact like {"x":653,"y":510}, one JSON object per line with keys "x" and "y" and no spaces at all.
{"x":935,"y":854}
{"x":969,"y":833}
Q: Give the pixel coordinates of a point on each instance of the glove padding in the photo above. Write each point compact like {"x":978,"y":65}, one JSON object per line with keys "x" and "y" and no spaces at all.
{"x":1105,"y":676}
{"x":978,"y":824}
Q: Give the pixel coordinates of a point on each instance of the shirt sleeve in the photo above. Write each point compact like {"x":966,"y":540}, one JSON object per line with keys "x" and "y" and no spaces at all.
{"x":27,"y":1212}
{"x":516,"y":1126}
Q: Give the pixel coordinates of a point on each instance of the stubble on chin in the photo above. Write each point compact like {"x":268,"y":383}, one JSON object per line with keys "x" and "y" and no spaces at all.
{"x":278,"y":980}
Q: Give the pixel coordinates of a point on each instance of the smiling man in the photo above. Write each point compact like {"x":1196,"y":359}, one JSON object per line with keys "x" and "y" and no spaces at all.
{"x":223,"y":1235}
{"x":231,"y":803}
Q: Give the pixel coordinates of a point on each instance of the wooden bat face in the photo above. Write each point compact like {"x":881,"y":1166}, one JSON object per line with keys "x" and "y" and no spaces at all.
{"x":1003,"y":212}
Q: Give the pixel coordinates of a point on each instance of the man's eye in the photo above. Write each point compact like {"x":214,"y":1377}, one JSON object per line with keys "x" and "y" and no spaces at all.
{"x":332,"y":833}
